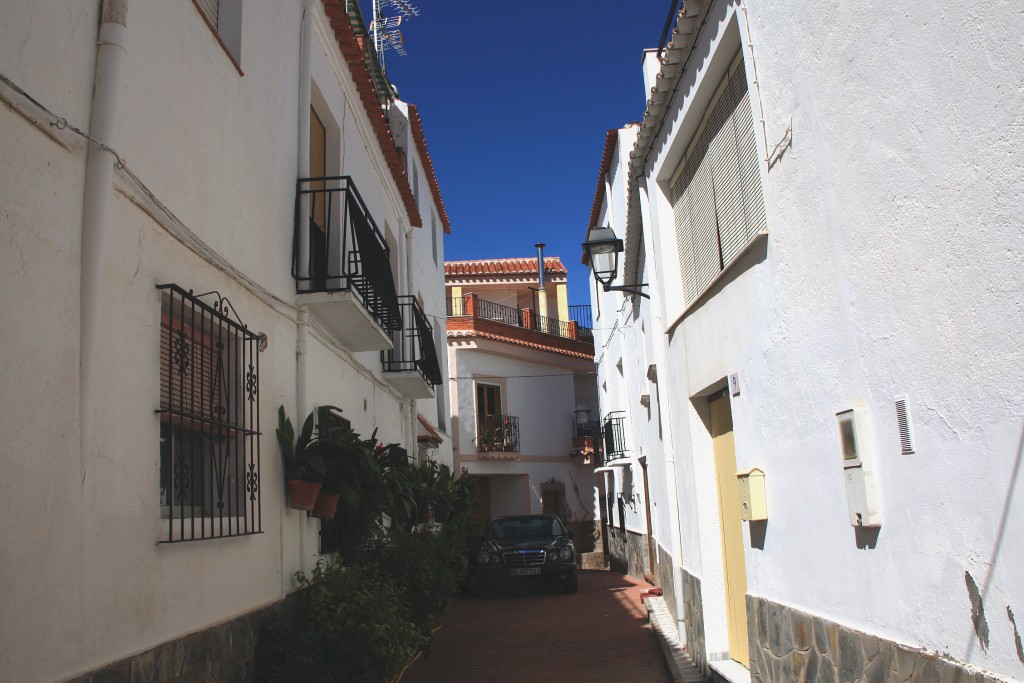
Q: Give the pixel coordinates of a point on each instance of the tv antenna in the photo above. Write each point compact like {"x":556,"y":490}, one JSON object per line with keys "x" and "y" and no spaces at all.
{"x":388,"y":15}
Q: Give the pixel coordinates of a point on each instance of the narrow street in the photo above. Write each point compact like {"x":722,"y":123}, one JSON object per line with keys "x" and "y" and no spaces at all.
{"x":535,"y":632}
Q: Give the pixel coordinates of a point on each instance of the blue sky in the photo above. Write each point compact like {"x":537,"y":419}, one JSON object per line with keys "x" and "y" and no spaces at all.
{"x":516,"y":98}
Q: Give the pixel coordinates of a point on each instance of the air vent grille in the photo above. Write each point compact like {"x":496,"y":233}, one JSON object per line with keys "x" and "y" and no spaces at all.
{"x":903,"y":420}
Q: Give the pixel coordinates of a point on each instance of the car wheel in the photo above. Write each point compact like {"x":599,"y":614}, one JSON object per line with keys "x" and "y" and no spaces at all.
{"x":572,"y":584}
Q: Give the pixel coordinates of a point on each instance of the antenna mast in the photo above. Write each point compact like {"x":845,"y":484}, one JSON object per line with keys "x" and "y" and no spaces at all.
{"x":388,"y":15}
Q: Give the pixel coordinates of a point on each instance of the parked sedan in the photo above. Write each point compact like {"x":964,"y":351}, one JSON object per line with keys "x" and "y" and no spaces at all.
{"x":525,"y":546}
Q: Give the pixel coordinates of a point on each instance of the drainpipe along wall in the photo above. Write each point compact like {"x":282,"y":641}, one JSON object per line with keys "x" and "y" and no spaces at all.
{"x":302,"y":324}
{"x":99,"y":173}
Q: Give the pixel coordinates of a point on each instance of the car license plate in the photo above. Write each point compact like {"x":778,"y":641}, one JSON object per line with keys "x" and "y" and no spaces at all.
{"x":524,"y":571}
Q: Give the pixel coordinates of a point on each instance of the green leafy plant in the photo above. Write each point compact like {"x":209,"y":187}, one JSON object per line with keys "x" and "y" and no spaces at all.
{"x":303,"y":459}
{"x":354,"y":626}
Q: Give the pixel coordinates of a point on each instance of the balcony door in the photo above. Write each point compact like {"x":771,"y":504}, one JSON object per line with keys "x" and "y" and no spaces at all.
{"x":488,"y":411}
{"x":317,"y":212}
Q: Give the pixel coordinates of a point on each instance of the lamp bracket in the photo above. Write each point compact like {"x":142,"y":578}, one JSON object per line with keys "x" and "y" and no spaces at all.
{"x":628,"y":289}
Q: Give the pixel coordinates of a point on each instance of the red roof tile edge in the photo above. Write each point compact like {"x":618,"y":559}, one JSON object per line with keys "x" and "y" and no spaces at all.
{"x":610,"y":138}
{"x":518,"y":342}
{"x":353,"y":54}
{"x":504,"y":266}
{"x":428,"y":165}
{"x":434,"y":435}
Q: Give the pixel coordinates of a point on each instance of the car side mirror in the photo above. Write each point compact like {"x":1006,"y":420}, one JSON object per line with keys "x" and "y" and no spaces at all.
{"x":568,"y":534}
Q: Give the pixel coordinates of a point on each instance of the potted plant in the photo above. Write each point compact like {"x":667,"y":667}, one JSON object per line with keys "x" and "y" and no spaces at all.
{"x":342,"y":451}
{"x":304,"y":465}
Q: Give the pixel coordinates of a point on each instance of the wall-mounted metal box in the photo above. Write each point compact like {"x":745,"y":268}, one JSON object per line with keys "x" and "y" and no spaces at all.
{"x":753,"y":505}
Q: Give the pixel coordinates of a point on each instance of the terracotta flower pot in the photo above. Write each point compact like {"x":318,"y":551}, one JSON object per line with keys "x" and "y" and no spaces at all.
{"x":302,"y":494}
{"x":326,"y":504}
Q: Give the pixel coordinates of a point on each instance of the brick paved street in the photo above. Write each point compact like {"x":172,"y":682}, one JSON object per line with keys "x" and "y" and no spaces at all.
{"x":539,"y":634}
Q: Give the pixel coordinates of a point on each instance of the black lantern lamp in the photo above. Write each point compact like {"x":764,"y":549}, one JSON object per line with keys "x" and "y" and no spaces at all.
{"x":603,"y":249}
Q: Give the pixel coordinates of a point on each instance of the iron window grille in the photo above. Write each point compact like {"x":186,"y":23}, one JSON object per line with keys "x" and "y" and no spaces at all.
{"x":614,"y":437}
{"x":554,"y":501}
{"x":338,"y":247}
{"x":209,"y":419}
{"x":413,"y":347}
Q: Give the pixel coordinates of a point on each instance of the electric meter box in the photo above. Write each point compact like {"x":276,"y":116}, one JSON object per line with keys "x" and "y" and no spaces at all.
{"x":753,"y":505}
{"x":859,"y":476}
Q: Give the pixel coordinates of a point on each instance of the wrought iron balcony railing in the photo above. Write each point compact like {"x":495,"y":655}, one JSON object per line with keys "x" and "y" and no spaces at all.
{"x":614,"y":438}
{"x":338,"y":247}
{"x":413,"y":349}
{"x":471,"y":306}
{"x":497,"y":433}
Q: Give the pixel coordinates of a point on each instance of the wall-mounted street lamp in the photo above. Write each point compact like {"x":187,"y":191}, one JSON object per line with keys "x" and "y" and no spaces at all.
{"x":603,"y":249}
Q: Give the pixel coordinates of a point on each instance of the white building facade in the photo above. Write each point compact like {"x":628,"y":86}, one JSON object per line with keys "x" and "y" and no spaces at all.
{"x":522,"y":387}
{"x":261,"y":227}
{"x":827,"y":213}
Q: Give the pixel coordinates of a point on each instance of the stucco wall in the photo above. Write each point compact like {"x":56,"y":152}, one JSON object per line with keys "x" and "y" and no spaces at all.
{"x":891,"y":267}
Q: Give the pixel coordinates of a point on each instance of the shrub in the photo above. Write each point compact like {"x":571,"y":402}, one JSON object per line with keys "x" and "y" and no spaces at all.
{"x":355,"y":627}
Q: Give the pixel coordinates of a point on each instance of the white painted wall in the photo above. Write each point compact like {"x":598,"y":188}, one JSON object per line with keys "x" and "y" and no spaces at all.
{"x":892,"y":267}
{"x":79,"y":529}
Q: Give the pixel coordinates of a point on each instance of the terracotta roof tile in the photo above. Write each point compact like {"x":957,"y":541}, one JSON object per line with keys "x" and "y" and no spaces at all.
{"x":428,"y":165}
{"x":432,"y":433}
{"x":518,"y":342}
{"x":354,"y":53}
{"x":504,"y":266}
{"x":610,"y":138}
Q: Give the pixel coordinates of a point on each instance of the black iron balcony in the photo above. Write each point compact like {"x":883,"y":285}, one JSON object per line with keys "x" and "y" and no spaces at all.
{"x":614,"y":438}
{"x":411,"y":365}
{"x":497,"y":433}
{"x":340,"y":260}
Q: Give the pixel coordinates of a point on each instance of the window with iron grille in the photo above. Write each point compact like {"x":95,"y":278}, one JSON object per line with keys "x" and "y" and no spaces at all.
{"x":553,"y":500}
{"x":716,"y":192}
{"x":209,"y":419}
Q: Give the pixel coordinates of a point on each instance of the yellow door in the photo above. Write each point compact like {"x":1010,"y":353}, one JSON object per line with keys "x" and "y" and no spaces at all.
{"x":732,"y":529}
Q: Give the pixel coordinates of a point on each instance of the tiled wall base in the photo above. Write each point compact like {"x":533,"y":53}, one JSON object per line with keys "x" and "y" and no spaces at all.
{"x":693,"y":614}
{"x":628,"y":552}
{"x":223,"y":653}
{"x":789,"y":645}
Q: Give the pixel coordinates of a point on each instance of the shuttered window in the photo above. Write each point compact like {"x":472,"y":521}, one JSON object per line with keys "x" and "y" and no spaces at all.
{"x":211,"y":8}
{"x":718,"y":206}
{"x":318,"y":168}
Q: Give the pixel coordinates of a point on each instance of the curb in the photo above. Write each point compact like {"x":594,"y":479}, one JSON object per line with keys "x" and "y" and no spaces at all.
{"x":679,"y":662}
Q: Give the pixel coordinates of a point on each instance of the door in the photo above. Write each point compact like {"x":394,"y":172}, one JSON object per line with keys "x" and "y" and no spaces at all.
{"x":732,"y":528}
{"x":482,"y":498}
{"x":489,"y":433}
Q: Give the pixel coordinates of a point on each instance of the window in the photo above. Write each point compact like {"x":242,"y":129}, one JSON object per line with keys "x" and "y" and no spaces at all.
{"x":433,"y":235}
{"x":716,"y":192}
{"x":225,"y":18}
{"x":553,"y":501}
{"x":209,"y":419}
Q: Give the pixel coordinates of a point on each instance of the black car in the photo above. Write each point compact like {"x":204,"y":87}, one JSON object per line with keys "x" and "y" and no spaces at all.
{"x":537,"y":546}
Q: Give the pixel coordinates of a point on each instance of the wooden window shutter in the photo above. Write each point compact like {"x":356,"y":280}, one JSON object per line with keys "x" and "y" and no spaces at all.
{"x":318,"y":168}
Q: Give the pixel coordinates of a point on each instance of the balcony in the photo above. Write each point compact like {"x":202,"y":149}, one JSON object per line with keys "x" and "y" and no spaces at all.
{"x":342,"y":265}
{"x":497,"y":433}
{"x":411,"y":365}
{"x":614,"y":438}
{"x":519,"y":325}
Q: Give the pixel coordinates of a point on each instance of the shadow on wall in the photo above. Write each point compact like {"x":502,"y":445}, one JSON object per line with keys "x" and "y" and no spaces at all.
{"x":980,"y":634}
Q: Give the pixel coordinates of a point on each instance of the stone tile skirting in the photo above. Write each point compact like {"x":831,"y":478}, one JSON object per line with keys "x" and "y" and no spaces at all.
{"x":789,"y":645}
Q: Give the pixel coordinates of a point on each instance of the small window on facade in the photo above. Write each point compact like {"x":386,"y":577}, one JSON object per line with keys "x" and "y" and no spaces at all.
{"x":433,"y":235}
{"x":209,"y":419}
{"x":225,"y":18}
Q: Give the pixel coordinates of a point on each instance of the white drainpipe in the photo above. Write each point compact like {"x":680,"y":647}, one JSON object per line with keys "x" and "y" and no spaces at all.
{"x":98,"y":190}
{"x":302,"y":323}
{"x":412,"y":448}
